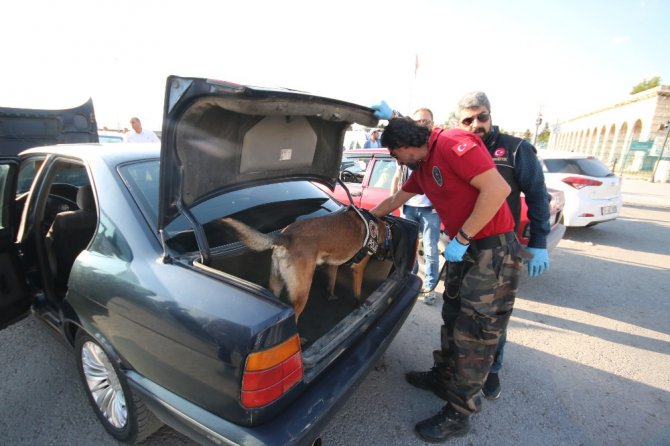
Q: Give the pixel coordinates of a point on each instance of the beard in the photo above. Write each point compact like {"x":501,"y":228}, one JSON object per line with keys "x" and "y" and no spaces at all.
{"x":413,"y":166}
{"x":481,"y":131}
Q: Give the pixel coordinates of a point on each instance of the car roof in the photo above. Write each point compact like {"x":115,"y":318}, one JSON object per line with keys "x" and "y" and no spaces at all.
{"x":559,"y":154}
{"x":112,"y":154}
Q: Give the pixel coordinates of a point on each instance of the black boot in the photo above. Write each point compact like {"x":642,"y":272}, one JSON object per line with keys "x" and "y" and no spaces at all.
{"x":491,"y":388}
{"x":429,"y":380}
{"x":443,"y":425}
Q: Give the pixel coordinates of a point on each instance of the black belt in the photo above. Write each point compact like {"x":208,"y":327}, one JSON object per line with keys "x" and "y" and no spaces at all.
{"x":493,"y":241}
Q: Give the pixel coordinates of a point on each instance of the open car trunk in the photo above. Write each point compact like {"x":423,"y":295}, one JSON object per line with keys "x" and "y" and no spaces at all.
{"x":326,"y":326}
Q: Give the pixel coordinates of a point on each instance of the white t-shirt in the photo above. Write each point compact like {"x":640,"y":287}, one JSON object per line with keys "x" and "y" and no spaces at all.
{"x":419,"y":201}
{"x":145,"y":136}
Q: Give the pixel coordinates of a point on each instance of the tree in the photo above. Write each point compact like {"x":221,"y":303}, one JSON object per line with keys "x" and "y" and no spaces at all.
{"x":543,"y":136}
{"x":646,"y":84}
{"x":527,"y":135}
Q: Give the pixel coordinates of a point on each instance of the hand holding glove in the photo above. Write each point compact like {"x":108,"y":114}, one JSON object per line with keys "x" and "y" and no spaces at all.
{"x":382,"y":110}
{"x":455,"y":251}
{"x":539,"y":263}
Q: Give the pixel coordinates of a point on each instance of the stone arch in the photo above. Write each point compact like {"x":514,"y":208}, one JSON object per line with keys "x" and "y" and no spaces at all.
{"x":605,"y":149}
{"x":636,"y":132}
{"x":587,"y":141}
{"x":620,"y":145}
{"x":595,"y":139}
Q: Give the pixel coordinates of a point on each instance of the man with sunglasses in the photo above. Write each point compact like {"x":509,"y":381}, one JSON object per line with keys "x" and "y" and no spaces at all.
{"x":455,"y":171}
{"x":517,"y":162}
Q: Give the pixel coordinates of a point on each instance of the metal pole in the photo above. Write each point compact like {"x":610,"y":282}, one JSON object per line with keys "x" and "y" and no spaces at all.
{"x":666,"y":127}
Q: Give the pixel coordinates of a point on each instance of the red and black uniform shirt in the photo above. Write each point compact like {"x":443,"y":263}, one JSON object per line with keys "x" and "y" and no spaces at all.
{"x":454,"y":158}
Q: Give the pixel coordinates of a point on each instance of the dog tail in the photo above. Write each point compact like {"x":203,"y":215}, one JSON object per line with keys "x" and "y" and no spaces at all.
{"x":254,"y":239}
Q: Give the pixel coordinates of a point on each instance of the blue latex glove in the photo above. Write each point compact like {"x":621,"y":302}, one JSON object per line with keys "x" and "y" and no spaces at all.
{"x":382,"y":110}
{"x":539,"y":263}
{"x":455,"y":251}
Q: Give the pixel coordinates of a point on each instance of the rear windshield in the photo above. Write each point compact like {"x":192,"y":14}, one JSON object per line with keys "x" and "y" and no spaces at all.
{"x":267,"y":207}
{"x":591,"y":167}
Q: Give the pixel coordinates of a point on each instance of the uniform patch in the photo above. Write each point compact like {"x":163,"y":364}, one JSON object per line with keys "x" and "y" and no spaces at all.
{"x":499,"y":152}
{"x":463,"y":148}
{"x":437,"y":175}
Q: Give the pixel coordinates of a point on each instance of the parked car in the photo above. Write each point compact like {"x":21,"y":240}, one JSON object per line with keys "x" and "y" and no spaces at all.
{"x":592,"y":191}
{"x":367,"y":174}
{"x":107,"y":136}
{"x":120,"y":251}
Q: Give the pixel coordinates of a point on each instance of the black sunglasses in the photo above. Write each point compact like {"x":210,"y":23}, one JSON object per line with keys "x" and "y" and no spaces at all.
{"x":482,"y":117}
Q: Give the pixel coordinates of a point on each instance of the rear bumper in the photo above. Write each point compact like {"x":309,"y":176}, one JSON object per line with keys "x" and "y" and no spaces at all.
{"x":575,"y":215}
{"x":304,"y":419}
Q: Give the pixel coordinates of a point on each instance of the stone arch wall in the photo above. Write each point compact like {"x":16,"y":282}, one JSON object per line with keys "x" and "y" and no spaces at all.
{"x":608,"y":132}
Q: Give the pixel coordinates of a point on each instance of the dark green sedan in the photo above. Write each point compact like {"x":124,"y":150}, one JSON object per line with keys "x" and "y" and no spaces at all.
{"x":119,"y":249}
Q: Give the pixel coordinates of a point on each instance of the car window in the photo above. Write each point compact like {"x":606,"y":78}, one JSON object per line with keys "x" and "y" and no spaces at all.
{"x":110,"y":138}
{"x":267,"y":207}
{"x":585,"y":166}
{"x":27,"y":172}
{"x":382,"y":173}
{"x":353,"y":169}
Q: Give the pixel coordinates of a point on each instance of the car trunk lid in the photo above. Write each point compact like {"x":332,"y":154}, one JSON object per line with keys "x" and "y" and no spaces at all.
{"x":219,"y":136}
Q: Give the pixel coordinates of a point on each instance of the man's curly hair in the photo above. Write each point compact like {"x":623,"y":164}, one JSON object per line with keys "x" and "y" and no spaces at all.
{"x":404,"y":132}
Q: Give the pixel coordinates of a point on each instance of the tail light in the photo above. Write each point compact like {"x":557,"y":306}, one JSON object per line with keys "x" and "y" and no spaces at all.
{"x":580,"y":183}
{"x":270,"y":373}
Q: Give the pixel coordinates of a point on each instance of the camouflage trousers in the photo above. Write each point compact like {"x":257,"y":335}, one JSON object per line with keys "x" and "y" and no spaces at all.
{"x":478,"y":300}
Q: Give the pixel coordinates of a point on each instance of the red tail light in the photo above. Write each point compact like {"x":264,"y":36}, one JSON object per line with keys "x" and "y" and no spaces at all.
{"x":579,"y":182}
{"x":270,"y":373}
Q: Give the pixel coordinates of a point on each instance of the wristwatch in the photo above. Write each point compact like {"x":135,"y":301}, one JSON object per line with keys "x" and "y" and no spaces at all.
{"x":462,"y":233}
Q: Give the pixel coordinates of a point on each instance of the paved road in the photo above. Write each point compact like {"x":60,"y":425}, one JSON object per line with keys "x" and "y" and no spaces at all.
{"x":587,"y":359}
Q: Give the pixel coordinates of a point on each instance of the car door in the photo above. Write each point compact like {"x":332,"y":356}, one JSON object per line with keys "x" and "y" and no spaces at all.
{"x":379,"y":180}
{"x":353,"y":173}
{"x":14,"y":297}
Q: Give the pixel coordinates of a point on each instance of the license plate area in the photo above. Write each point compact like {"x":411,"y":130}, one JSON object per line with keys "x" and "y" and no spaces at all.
{"x":606,"y":210}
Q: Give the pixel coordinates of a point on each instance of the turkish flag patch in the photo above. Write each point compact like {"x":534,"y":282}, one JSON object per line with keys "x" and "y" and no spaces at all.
{"x":500,"y":151}
{"x":463,"y":148}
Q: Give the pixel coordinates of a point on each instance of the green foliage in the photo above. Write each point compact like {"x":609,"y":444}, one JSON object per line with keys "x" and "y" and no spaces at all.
{"x":543,"y":136}
{"x":646,"y":84}
{"x":451,"y":122}
{"x":528,"y":136}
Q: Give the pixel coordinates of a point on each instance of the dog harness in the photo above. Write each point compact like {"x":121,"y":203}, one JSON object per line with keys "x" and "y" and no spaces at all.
{"x":371,"y":244}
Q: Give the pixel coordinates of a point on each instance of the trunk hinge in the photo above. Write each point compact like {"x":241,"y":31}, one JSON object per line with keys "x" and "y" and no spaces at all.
{"x":200,"y":237}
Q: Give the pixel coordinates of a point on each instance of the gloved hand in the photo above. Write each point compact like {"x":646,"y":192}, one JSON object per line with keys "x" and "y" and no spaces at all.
{"x":539,"y":263}
{"x":455,"y":251}
{"x":382,"y":110}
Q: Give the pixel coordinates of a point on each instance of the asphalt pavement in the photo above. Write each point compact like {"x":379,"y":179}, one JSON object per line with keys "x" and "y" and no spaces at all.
{"x":587,"y":360}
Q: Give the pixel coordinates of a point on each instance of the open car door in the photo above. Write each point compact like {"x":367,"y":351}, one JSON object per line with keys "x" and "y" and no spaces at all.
{"x":14,"y":298}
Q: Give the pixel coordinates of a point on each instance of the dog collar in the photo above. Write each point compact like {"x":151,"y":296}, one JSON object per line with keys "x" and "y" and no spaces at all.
{"x":371,"y":242}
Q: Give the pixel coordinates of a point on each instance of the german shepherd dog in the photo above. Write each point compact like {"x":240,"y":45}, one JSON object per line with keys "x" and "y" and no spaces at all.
{"x":301,"y":246}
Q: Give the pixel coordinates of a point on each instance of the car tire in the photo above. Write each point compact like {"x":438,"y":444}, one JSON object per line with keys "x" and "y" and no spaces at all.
{"x":123,"y":414}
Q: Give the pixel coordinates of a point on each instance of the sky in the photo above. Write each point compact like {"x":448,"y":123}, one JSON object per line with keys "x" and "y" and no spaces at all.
{"x":557,"y":58}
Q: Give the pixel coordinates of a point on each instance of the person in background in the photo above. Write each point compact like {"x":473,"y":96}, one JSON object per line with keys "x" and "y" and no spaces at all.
{"x":517,"y":162}
{"x":138,"y":134}
{"x":373,"y":142}
{"x":420,"y":209}
{"x":455,"y":171}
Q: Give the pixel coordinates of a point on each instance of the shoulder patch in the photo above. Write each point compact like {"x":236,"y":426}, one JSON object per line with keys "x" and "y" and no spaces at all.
{"x":437,"y":176}
{"x":463,"y":148}
{"x":500,"y":151}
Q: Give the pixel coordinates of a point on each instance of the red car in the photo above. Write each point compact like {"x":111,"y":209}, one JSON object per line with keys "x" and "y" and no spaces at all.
{"x":367,"y":174}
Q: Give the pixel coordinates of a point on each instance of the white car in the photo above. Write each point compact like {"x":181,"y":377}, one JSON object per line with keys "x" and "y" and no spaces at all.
{"x":592,"y":191}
